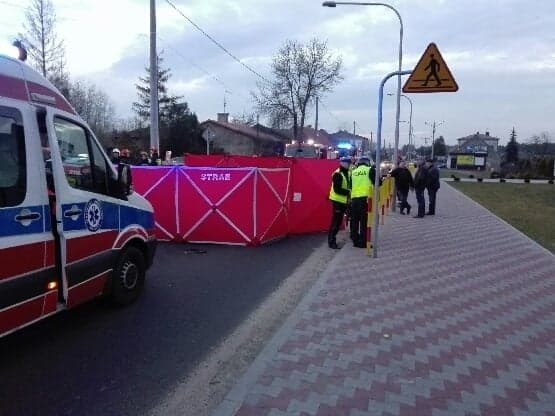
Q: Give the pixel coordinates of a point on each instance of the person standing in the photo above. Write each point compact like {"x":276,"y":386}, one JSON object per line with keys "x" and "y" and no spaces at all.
{"x":155,"y":158}
{"x":339,"y":196}
{"x":403,"y":183}
{"x":432,"y":186}
{"x":124,"y":169}
{"x":361,"y":189}
{"x":144,"y":160}
{"x":420,"y":183}
{"x":115,"y":156}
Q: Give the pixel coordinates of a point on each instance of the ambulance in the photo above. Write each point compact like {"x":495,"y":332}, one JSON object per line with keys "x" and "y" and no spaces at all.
{"x":71,"y":228}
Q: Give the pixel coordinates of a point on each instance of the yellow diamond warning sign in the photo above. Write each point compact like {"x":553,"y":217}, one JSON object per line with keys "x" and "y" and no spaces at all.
{"x":431,"y":74}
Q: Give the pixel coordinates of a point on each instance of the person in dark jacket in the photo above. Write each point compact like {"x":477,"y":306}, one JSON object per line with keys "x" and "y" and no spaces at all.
{"x":144,"y":160}
{"x":115,"y":156}
{"x":403,"y":183}
{"x":339,"y":196}
{"x":432,"y":186}
{"x":420,"y":183}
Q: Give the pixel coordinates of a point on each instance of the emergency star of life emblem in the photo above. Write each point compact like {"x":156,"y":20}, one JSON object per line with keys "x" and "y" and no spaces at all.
{"x":93,"y":215}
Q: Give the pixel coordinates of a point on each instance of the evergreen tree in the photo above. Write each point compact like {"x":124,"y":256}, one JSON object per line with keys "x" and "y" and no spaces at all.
{"x":181,"y":134}
{"x":440,"y":149}
{"x":511,"y":151}
{"x":165,"y":101}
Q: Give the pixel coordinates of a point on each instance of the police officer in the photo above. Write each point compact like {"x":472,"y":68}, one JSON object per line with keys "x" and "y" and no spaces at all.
{"x":339,"y":196}
{"x":362,"y":188}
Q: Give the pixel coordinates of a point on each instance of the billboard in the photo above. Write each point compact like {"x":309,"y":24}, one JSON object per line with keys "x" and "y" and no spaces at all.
{"x":465,"y":160}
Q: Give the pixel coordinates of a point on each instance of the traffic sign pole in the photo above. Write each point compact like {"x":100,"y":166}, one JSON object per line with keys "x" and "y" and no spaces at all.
{"x":377,"y":170}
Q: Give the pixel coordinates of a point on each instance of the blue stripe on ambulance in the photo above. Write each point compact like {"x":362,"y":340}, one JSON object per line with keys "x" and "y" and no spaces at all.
{"x":110,"y":213}
{"x":130,"y":216}
{"x":11,"y":227}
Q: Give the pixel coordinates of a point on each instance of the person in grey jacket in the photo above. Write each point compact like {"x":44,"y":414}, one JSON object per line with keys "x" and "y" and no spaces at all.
{"x":432,"y":186}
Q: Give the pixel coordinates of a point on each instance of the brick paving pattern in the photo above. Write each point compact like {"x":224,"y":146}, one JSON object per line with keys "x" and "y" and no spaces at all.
{"x":456,"y":317}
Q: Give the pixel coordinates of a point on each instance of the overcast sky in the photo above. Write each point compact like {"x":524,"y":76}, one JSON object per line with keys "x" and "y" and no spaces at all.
{"x":501,"y":53}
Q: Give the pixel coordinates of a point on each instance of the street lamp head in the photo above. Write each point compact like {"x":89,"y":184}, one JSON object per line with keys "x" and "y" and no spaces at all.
{"x":329,"y":4}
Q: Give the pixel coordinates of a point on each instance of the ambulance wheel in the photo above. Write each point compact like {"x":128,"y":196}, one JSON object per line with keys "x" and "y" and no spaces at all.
{"x":129,"y":277}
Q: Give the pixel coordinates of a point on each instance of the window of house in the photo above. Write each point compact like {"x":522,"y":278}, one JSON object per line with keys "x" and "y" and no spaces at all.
{"x":13,"y":165}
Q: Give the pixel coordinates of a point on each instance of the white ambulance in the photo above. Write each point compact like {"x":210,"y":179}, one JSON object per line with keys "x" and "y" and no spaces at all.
{"x":71,"y":229}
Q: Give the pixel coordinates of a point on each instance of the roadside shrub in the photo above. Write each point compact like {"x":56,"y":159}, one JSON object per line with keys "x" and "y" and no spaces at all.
{"x":502,"y":180}
{"x":480,"y":179}
{"x":471,"y":176}
{"x":456,"y":178}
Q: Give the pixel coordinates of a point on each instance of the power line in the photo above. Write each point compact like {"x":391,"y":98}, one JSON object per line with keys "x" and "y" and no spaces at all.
{"x":218,"y":44}
{"x":329,"y":112}
{"x":204,"y":71}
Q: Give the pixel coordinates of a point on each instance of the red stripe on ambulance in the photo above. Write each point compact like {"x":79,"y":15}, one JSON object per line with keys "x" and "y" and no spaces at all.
{"x":87,"y":290}
{"x":20,"y":260}
{"x":135,"y":232}
{"x":21,"y":314}
{"x":13,"y":88}
{"x":87,"y":246}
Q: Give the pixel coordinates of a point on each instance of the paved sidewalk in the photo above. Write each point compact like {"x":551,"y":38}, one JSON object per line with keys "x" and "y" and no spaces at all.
{"x":456,"y":317}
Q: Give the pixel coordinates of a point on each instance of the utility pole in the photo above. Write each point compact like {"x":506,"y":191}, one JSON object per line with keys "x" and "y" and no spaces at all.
{"x":434,"y":125}
{"x":316,"y":122}
{"x":354,"y":128}
{"x":154,"y":128}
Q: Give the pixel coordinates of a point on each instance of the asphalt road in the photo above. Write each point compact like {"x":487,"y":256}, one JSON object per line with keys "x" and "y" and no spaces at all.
{"x":101,"y":360}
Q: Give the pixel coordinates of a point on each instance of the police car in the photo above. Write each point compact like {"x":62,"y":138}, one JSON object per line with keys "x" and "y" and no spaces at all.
{"x":70,"y":228}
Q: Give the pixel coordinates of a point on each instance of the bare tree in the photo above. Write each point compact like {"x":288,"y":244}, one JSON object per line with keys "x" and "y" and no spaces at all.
{"x":246,"y":119}
{"x":302,"y":73}
{"x":46,"y":51}
{"x":94,"y":106}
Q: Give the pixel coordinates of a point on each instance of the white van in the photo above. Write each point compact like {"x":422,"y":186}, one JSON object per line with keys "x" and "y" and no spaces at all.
{"x":70,"y":228}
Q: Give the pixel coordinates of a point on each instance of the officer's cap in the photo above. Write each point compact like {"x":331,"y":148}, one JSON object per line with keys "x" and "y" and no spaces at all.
{"x":345,"y":159}
{"x":364,"y":160}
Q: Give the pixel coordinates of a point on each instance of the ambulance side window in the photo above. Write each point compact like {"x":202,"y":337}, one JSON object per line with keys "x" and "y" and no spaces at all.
{"x":13,"y":166}
{"x":84,"y":165}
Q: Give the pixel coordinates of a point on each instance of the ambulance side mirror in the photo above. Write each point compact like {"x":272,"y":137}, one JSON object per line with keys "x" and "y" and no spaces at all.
{"x":124,"y":179}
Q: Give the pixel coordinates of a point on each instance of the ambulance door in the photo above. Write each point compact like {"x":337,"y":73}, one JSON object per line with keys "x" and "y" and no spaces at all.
{"x":28,"y":279}
{"x":87,"y":208}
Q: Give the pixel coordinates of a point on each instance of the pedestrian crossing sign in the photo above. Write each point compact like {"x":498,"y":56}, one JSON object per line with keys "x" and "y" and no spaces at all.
{"x":431,"y":74}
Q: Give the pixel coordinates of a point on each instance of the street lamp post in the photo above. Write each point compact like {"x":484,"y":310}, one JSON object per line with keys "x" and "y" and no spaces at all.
{"x":434,"y":125}
{"x":397,"y":116}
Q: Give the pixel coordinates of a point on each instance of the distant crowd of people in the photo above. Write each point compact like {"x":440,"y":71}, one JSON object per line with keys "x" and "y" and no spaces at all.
{"x":352,"y":185}
{"x":150,"y":158}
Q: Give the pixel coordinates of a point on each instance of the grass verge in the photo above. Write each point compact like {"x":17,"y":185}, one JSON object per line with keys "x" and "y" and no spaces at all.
{"x":529,"y":208}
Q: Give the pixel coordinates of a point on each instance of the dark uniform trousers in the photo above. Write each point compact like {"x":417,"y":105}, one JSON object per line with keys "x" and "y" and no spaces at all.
{"x":359,"y":220}
{"x":336,"y":219}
